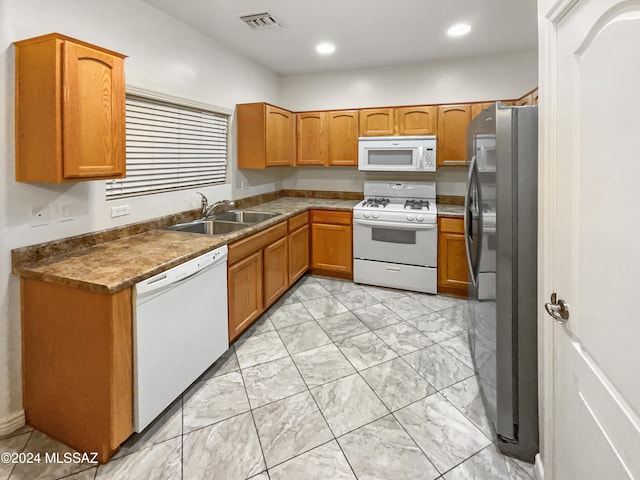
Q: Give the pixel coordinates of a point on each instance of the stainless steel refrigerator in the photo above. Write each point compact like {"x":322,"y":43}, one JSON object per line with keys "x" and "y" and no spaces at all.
{"x":501,"y":240}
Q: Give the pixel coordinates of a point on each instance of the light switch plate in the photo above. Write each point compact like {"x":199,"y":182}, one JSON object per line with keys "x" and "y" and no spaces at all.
{"x":119,"y":211}
{"x":65,"y":212}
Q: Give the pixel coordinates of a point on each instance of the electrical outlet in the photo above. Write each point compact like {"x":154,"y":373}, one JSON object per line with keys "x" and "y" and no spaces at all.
{"x":39,"y":216}
{"x":65,"y":212}
{"x":119,"y":211}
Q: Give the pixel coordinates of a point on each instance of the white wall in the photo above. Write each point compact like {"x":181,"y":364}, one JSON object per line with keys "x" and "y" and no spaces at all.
{"x":168,"y":57}
{"x":460,"y":80}
{"x":165,"y":56}
{"x":473,"y":79}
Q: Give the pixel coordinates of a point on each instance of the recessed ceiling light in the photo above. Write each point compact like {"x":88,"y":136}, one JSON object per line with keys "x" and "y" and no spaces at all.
{"x":459,"y":29}
{"x":325,"y":48}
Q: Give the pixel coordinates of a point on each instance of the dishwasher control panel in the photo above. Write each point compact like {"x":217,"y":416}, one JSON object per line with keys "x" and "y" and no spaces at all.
{"x":182,"y":271}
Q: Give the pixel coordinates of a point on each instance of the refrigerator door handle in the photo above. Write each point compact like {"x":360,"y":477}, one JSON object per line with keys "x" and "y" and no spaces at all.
{"x":467,"y":219}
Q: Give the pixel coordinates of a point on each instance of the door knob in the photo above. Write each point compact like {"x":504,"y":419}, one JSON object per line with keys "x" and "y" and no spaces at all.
{"x":558,"y":309}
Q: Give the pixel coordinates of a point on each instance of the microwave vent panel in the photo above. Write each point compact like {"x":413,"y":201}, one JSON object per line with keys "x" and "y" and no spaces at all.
{"x":261,"y":21}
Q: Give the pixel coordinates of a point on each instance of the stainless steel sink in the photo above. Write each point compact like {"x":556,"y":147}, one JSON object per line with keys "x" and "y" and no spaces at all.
{"x":209,"y":227}
{"x":226,"y":222}
{"x":244,"y":216}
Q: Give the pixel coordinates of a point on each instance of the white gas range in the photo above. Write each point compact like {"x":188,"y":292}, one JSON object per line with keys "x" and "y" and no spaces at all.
{"x":395,"y":236}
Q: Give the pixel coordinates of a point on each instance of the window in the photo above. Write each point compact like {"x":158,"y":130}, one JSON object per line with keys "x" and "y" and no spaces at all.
{"x":171,"y":147}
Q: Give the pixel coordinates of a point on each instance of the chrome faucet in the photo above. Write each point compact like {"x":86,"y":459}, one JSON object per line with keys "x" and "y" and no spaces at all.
{"x":208,"y":209}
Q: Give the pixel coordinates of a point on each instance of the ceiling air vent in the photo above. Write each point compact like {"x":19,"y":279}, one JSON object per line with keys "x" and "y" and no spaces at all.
{"x":260,"y":21}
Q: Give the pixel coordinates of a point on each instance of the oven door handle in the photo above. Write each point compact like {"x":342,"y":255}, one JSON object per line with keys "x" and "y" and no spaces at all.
{"x":396,"y":225}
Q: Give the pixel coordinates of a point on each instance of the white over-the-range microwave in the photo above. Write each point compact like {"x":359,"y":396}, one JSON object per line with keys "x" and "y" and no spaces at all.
{"x":397,"y":154}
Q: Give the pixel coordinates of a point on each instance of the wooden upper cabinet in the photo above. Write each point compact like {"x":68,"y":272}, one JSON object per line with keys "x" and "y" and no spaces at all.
{"x":280,"y":136}
{"x":417,"y":120}
{"x":377,"y":122}
{"x":452,"y":134}
{"x":529,"y":98}
{"x":266,"y":136}
{"x":70,"y":111}
{"x":311,"y":138}
{"x":524,"y":101}
{"x":343,"y":137}
{"x":476,"y":108}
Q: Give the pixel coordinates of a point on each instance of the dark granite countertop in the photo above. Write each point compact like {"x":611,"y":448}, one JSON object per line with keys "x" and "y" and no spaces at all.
{"x":445,"y":210}
{"x":112,"y":266}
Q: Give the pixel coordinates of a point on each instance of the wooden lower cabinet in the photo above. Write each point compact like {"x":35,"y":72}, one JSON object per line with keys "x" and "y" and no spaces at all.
{"x":276,"y":270}
{"x":452,"y":257}
{"x":298,"y":245}
{"x":77,"y":360}
{"x":244,"y":283}
{"x":258,"y":274}
{"x":332,"y":243}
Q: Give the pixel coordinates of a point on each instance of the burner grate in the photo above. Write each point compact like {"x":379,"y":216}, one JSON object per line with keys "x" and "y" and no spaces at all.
{"x":376,"y":202}
{"x":416,"y":204}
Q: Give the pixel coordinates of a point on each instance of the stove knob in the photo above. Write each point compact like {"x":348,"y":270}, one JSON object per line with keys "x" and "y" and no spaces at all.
{"x":374,"y":215}
{"x":411,"y":218}
{"x":366,"y":214}
{"x":420,"y":218}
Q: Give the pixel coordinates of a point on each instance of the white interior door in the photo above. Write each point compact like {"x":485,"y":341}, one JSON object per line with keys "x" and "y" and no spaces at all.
{"x":590,"y":238}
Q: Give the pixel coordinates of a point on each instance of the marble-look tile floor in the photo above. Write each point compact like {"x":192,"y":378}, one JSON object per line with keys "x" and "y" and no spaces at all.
{"x":336,"y":381}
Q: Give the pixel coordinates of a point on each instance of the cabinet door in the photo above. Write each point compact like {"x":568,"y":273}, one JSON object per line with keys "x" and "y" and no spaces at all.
{"x":343,"y":138}
{"x":417,"y":120}
{"x":311,"y":134}
{"x":298,"y":253}
{"x":332,"y":248}
{"x":245,"y":293}
{"x":276,"y":271}
{"x":452,"y":264}
{"x":280,"y":136}
{"x":476,"y":108}
{"x":452,"y":257}
{"x":93,"y":113}
{"x":377,"y":122}
{"x":452,"y":134}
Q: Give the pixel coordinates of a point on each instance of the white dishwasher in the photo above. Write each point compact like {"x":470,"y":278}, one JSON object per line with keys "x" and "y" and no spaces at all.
{"x":179,"y":330}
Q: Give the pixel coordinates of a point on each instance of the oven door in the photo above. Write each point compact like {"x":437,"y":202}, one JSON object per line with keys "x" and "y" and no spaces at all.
{"x":390,"y":156}
{"x":408,"y":244}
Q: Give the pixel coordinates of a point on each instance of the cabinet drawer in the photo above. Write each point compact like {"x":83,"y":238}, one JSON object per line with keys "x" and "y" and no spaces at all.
{"x":452,"y":225}
{"x":298,"y":221}
{"x":332,"y":217}
{"x":239,"y":250}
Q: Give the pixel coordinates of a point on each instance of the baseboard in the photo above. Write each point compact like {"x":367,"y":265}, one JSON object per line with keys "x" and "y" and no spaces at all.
{"x":539,"y":469}
{"x":11,"y":423}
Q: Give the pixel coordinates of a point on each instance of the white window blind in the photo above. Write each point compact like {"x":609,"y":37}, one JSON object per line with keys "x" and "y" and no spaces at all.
{"x":171,"y":147}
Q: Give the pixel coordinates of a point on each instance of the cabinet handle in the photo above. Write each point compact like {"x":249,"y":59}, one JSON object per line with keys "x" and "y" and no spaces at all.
{"x":455,"y":162}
